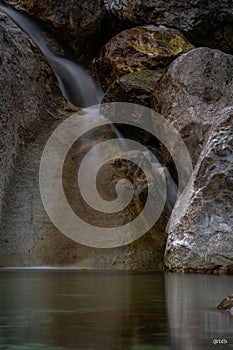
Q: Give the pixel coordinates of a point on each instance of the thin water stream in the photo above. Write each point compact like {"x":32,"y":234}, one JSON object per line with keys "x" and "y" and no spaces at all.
{"x":76,"y":85}
{"x":79,"y":89}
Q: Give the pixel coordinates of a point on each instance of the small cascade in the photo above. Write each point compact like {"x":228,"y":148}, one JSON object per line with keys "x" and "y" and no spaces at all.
{"x":80,"y":90}
{"x":77,"y":86}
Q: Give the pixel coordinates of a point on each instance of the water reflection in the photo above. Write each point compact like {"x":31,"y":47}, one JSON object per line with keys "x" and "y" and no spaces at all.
{"x":71,"y":309}
{"x":193,"y":318}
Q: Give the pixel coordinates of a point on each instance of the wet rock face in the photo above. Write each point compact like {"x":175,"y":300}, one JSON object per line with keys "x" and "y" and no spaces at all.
{"x":206,"y":23}
{"x":136,"y":87}
{"x":200,"y":230}
{"x":146,"y":47}
{"x":29,"y":92}
{"x":196,"y":86}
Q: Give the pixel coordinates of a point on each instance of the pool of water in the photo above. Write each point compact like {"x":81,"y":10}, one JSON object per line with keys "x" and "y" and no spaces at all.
{"x":85,"y":310}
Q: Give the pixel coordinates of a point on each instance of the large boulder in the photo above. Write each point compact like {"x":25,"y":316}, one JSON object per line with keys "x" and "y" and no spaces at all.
{"x":136,"y":87}
{"x":200,"y":229}
{"x":196,"y":86}
{"x":206,"y":23}
{"x":146,"y":47}
{"x":72,"y":21}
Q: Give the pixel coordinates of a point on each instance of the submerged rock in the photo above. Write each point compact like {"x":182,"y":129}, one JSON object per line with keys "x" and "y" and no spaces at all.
{"x":200,"y":228}
{"x":206,"y":23}
{"x":196,"y":86}
{"x":227,"y":304}
{"x":146,"y":47}
{"x":135,"y":87}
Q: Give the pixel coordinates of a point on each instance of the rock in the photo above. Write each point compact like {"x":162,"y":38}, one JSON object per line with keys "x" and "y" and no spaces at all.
{"x":196,"y":86}
{"x":200,"y":228}
{"x":146,"y":252}
{"x":136,"y":49}
{"x":135,"y":87}
{"x":29,"y":92}
{"x":205,"y":23}
{"x":141,"y":183}
{"x":226,"y":304}
{"x":73,"y":21}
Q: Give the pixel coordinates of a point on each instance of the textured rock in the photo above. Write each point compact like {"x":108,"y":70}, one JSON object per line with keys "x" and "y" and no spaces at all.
{"x":206,"y":23}
{"x":29,"y":92}
{"x":200,"y":230}
{"x":74,"y":23}
{"x":135,"y":87}
{"x":74,"y":19}
{"x":136,"y":49}
{"x":196,"y":85}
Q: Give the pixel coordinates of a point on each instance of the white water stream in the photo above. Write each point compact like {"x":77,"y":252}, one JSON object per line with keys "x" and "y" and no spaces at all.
{"x":76,"y":85}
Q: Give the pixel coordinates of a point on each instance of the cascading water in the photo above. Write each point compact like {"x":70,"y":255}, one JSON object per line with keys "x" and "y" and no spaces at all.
{"x":76,"y":85}
{"x":79,"y":89}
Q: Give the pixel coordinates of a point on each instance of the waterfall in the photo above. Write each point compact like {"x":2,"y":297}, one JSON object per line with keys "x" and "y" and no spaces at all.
{"x":80,"y":89}
{"x":77,"y":86}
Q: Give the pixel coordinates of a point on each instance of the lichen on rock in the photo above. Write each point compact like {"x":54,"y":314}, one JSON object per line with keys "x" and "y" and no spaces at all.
{"x":135,"y":49}
{"x":205,"y":23}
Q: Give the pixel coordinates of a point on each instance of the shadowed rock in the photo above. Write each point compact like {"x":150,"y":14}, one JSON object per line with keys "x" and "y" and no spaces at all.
{"x":206,"y":23}
{"x":135,"y":87}
{"x":72,"y":21}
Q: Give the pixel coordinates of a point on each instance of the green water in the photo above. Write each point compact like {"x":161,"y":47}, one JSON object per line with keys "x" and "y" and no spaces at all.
{"x":85,"y":310}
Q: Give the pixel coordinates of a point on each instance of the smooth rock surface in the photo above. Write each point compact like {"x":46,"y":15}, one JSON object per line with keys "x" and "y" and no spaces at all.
{"x":135,"y":87}
{"x":200,"y":228}
{"x":29,"y":93}
{"x":196,"y":86}
{"x":206,"y":23}
{"x":138,"y":48}
{"x":28,"y":238}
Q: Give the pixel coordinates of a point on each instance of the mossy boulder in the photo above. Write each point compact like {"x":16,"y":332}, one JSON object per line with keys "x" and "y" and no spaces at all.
{"x":135,"y":49}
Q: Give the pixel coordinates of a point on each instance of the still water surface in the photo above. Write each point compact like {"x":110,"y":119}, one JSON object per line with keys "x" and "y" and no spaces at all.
{"x":85,"y":310}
